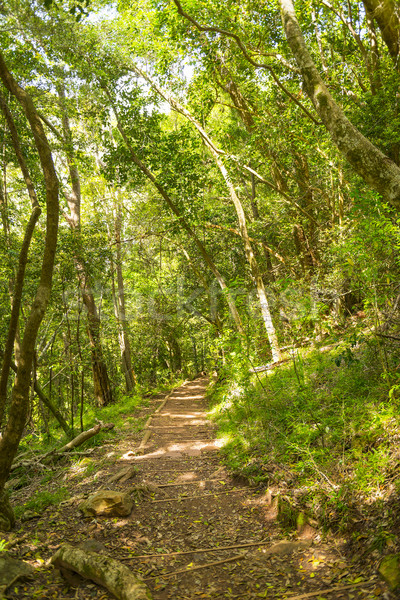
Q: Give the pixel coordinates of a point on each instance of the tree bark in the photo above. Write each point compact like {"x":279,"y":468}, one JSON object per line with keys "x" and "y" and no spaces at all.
{"x":22,"y":260}
{"x":387,"y":14}
{"x":20,"y":394}
{"x":106,"y":571}
{"x":381,"y":173}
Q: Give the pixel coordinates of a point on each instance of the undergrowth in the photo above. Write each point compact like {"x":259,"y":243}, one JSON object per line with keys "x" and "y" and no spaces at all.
{"x":119,"y":413}
{"x":325,"y":423}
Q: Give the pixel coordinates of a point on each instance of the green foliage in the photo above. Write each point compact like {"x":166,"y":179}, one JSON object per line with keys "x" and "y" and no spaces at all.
{"x":317,"y":422}
{"x":41,"y":500}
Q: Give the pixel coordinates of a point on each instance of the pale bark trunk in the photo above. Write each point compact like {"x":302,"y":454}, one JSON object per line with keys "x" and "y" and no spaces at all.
{"x":251,"y":259}
{"x":20,"y":394}
{"x":171,"y":205}
{"x":369,"y":162}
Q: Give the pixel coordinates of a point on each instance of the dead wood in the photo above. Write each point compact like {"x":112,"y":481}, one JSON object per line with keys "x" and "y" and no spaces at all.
{"x":337,"y":588}
{"x":200,"y":550}
{"x":57,"y":452}
{"x":198,"y":567}
{"x":204,"y":496}
{"x":141,"y":447}
{"x":198,"y":482}
{"x":123,"y":474}
{"x":104,"y":570}
{"x":86,"y":435}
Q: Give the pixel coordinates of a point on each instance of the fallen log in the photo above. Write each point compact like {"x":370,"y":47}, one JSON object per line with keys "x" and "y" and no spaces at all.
{"x":84,"y":436}
{"x":104,"y":570}
{"x":58,"y":452}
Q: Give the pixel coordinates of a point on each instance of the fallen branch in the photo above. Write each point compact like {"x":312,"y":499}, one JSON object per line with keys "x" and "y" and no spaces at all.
{"x":123,"y":474}
{"x":270,"y":366}
{"x":204,"y":496}
{"x":199,"y":550}
{"x":104,"y":570}
{"x":279,"y":548}
{"x":57,"y":452}
{"x":198,"y":482}
{"x":337,"y":588}
{"x":86,"y":435}
{"x":205,"y":566}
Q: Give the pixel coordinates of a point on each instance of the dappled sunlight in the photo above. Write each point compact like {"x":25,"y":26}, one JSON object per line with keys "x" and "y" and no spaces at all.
{"x":175,"y":415}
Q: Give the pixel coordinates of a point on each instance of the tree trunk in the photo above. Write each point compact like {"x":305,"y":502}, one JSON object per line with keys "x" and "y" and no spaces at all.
{"x":20,"y":394}
{"x":381,"y":173}
{"x":387,"y":14}
{"x":22,"y":261}
{"x":101,"y":381}
{"x":119,"y":307}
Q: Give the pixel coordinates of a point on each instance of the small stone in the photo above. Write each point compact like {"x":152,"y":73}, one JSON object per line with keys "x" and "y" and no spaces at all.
{"x":107,"y":503}
{"x":389,"y":570}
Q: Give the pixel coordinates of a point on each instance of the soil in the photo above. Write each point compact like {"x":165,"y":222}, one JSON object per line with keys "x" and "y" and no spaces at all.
{"x":178,"y":529}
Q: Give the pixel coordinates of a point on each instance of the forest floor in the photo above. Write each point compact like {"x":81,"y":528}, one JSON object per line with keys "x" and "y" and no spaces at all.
{"x":199,"y":534}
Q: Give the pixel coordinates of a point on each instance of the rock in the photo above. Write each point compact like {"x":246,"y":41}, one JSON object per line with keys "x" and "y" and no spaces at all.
{"x":12,"y":569}
{"x":107,"y":503}
{"x":389,"y":570}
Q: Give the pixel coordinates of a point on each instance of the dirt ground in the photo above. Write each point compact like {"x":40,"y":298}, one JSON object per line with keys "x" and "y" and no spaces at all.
{"x":198,"y":534}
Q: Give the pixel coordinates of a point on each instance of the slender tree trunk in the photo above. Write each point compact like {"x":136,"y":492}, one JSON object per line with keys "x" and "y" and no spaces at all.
{"x":20,"y":394}
{"x":22,"y":261}
{"x":119,"y":306}
{"x":101,"y":382}
{"x":381,"y":173}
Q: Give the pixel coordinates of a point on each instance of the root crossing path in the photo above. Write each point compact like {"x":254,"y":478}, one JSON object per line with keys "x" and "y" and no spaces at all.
{"x":201,"y":534}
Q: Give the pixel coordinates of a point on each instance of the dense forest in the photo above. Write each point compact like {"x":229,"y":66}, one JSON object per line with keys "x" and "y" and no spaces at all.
{"x":193,"y":187}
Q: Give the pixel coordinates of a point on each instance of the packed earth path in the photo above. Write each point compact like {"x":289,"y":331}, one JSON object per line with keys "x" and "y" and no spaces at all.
{"x":194,"y":532}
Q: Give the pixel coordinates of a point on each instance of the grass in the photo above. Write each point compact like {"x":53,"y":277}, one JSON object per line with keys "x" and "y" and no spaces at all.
{"x":325,"y":422}
{"x":41,"y":500}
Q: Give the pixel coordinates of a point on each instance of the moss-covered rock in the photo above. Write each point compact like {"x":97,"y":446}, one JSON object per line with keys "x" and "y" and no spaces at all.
{"x":389,"y":570}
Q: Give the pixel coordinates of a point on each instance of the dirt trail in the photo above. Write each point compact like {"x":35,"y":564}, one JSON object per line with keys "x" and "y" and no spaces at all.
{"x":202,"y":508}
{"x":198,"y":515}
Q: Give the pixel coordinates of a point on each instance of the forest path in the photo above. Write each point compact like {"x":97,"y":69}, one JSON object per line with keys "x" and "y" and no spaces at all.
{"x":194,"y":531}
{"x":191,"y":522}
